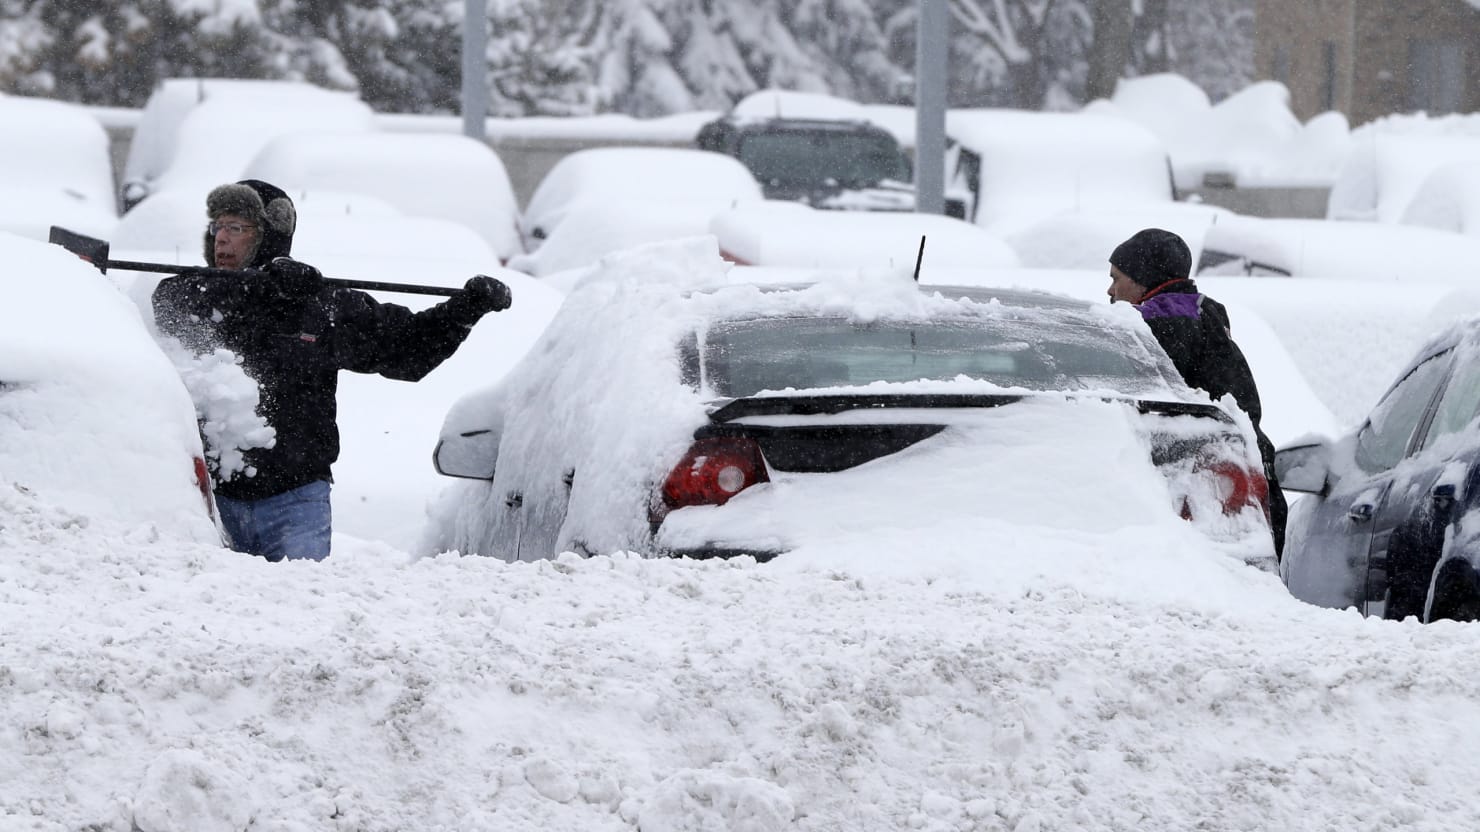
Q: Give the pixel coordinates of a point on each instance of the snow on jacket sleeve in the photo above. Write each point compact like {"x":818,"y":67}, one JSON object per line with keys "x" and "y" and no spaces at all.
{"x":391,"y":340}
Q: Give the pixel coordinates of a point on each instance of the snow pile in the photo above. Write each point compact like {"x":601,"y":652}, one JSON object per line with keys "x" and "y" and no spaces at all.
{"x":1120,"y":681}
{"x":1251,"y":135}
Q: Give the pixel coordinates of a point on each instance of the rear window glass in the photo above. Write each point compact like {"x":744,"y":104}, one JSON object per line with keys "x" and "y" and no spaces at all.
{"x":797,"y":157}
{"x":741,"y":358}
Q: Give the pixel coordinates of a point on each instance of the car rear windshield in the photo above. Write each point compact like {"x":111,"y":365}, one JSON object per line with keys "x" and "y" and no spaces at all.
{"x":822,"y":158}
{"x":741,"y":358}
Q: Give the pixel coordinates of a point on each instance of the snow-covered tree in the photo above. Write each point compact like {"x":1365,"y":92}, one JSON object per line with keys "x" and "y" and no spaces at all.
{"x":642,"y":57}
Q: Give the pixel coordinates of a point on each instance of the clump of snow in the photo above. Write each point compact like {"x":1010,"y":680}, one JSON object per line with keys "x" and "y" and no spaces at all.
{"x":186,"y":791}
{"x":775,"y":103}
{"x":226,"y":400}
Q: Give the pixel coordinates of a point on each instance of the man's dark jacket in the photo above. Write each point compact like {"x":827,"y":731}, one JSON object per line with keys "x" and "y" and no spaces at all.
{"x":294,"y":347}
{"x":1193,"y":329}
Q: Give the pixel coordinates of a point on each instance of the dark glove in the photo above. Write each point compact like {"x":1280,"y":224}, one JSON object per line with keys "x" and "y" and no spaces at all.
{"x":294,"y":279}
{"x":479,"y":296}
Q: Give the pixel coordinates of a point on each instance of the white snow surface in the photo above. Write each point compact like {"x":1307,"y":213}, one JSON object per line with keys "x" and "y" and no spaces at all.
{"x":1251,"y":135}
{"x":996,"y":675}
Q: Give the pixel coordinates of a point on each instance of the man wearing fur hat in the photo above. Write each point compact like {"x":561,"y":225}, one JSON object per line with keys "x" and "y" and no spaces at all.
{"x":293,"y":334}
{"x":1151,"y":271}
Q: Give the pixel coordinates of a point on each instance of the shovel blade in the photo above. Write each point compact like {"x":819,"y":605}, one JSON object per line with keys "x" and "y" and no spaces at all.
{"x":91,"y":249}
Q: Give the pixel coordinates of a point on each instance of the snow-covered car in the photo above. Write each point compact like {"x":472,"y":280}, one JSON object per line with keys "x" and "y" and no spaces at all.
{"x":617,"y":175}
{"x":196,"y":133}
{"x":1344,"y":250}
{"x":95,"y":421}
{"x":593,"y":228}
{"x":825,"y":163}
{"x":1448,"y":200}
{"x":1083,"y":239}
{"x":54,"y":169}
{"x":1018,"y":167}
{"x":1389,"y":525}
{"x":671,"y":410}
{"x":442,"y":175}
{"x":792,"y":235}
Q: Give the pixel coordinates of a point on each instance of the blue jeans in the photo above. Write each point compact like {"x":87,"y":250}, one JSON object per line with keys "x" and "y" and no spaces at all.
{"x":293,"y":525}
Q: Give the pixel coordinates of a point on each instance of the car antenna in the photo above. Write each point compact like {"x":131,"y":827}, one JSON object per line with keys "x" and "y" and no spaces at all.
{"x":919,"y":258}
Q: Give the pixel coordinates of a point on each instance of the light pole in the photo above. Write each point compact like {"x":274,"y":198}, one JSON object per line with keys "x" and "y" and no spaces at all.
{"x":475,"y":69}
{"x":932,"y":44}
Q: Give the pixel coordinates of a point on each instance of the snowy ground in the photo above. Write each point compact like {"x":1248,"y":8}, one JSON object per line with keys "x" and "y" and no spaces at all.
{"x":1116,"y":682}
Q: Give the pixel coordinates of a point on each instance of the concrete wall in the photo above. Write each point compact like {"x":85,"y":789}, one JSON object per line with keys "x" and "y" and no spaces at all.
{"x":1297,"y":203}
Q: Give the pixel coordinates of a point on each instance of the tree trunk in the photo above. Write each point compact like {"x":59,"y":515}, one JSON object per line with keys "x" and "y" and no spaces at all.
{"x":1110,"y":50}
{"x":1152,"y":50}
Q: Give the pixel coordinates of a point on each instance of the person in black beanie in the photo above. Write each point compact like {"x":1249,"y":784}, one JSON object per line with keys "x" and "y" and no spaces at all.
{"x":293,"y":334}
{"x":1151,"y":271}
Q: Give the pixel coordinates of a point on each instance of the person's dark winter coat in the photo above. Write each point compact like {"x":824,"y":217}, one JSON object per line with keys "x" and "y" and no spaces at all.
{"x":294,"y":334}
{"x":1194,"y":331}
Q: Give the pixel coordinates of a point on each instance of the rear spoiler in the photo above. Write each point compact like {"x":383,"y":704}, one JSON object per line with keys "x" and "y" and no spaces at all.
{"x":827,"y":405}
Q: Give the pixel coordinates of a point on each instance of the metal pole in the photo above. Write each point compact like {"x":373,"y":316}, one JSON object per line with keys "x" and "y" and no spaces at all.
{"x":475,"y":69}
{"x":932,"y":43}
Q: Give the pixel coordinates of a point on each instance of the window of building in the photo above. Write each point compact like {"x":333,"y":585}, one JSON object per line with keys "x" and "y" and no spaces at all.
{"x":1436,"y":75}
{"x":1281,"y":69}
{"x":1328,"y":78}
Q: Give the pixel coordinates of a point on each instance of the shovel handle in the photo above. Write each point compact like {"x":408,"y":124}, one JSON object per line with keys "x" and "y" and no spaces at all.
{"x":371,"y":285}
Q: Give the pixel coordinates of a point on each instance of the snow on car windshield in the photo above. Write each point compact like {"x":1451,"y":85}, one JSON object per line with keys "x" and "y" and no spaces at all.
{"x":744,"y":357}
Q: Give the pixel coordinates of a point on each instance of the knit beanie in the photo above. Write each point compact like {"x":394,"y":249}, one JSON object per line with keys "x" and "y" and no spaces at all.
{"x":1153,"y":256}
{"x":265,"y":206}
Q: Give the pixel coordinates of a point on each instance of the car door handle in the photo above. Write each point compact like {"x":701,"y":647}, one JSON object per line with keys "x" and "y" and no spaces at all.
{"x":1444,"y":493}
{"x":1360,"y":513}
{"x":514,"y":499}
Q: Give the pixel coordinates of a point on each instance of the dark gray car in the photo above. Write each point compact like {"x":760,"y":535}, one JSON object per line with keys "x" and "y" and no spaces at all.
{"x":1387,"y":526}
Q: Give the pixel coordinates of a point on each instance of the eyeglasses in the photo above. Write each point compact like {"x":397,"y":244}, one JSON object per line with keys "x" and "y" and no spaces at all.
{"x":234,"y":229}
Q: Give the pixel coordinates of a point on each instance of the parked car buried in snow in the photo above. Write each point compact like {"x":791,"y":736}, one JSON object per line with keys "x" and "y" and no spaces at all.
{"x":94,"y":420}
{"x":821,"y":162}
{"x":1390,"y":524}
{"x":724,"y":418}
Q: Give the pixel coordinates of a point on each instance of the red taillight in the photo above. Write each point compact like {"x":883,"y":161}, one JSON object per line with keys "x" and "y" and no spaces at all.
{"x":203,"y":482}
{"x":1237,"y":487}
{"x":713,"y":471}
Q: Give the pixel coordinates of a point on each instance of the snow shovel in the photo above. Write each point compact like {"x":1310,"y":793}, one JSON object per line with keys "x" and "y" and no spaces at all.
{"x":95,"y":251}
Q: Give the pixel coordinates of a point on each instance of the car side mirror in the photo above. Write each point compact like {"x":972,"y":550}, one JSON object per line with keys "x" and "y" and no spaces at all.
{"x":470,"y":455}
{"x":132,"y":194}
{"x":1304,"y":468}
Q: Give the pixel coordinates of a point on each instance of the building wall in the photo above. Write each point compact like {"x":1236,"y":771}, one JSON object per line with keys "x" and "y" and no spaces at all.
{"x":1388,"y":33}
{"x":1309,"y":45}
{"x":1371,"y":58}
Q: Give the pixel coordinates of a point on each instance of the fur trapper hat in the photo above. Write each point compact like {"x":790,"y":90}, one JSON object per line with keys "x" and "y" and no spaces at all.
{"x":265,"y":206}
{"x":1153,"y":256}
